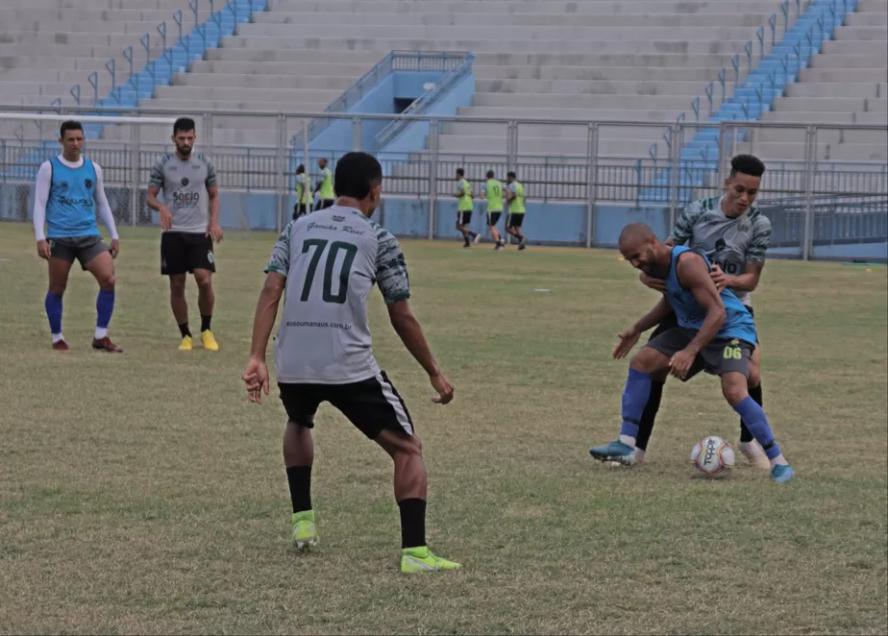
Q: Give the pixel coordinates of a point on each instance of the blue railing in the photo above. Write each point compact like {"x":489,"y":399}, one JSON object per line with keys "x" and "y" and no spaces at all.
{"x":440,"y":61}
{"x":428,"y":99}
{"x":766,"y":81}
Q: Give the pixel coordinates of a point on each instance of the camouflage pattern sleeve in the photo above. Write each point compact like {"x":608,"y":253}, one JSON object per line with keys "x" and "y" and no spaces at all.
{"x":684,"y":225}
{"x":211,"y":173}
{"x":761,"y":239}
{"x":391,"y":269}
{"x":155,"y":180}
{"x":280,"y":255}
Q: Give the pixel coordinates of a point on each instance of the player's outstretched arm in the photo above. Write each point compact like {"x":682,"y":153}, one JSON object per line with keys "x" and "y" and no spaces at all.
{"x":256,"y":374}
{"x":409,"y":330}
{"x":630,"y":336}
{"x":693,"y":273}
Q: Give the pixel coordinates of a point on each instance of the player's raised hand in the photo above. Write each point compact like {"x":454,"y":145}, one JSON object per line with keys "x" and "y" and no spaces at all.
{"x":255,"y":376}
{"x":681,"y":363}
{"x":166,"y":218}
{"x":628,"y":338}
{"x":657,"y":284}
{"x":442,"y":385}
{"x":215,"y":230}
{"x":115,"y":248}
{"x":44,"y":250}
{"x":718,"y":277}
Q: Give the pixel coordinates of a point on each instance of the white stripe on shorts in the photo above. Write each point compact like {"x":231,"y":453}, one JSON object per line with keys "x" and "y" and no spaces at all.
{"x":400,"y":412}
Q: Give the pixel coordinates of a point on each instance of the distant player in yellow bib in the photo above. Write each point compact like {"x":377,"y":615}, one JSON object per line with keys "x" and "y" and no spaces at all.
{"x":493,"y":192}
{"x":515,"y":198}
{"x":303,"y":193}
{"x":464,"y":208}
{"x":325,"y":186}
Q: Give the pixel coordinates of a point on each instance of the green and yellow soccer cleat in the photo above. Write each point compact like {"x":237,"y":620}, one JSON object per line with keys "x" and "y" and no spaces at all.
{"x":186,"y":344}
{"x":303,"y":529}
{"x":415,"y":560}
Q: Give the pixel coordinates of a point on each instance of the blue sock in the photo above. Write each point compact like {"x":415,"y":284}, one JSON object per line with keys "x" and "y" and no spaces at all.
{"x":53,"y":306}
{"x":104,"y":308}
{"x":757,"y":423}
{"x":635,"y":398}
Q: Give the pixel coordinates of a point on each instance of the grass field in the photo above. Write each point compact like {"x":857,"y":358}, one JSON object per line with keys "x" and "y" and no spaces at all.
{"x":142,"y":493}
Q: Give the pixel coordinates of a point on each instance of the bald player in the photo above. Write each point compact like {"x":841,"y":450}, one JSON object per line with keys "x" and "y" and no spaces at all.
{"x":714,"y":333}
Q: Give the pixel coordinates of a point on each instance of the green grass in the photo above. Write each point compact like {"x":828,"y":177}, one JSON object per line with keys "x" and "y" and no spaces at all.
{"x":142,"y":493}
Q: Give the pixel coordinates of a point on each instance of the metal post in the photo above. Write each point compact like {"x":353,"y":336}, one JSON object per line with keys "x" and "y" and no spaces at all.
{"x":305,"y":143}
{"x":511,"y":156}
{"x":357,"y":139}
{"x":675,"y":176}
{"x":207,"y":126}
{"x":434,"y":135}
{"x":591,"y":182}
{"x":810,"y":157}
{"x":724,"y":152}
{"x":135,"y":165}
{"x":281,"y":170}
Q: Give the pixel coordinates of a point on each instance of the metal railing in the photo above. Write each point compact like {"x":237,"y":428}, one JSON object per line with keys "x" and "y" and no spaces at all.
{"x":595,"y":179}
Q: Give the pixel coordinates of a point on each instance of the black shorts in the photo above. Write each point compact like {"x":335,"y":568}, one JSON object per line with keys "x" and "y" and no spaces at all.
{"x":721,"y":355}
{"x":516,"y":220}
{"x":372,"y":405}
{"x":323,"y":204}
{"x":83,"y":248}
{"x":493,"y":218}
{"x":184,"y":252}
{"x":300,"y":209}
{"x":463,"y":218}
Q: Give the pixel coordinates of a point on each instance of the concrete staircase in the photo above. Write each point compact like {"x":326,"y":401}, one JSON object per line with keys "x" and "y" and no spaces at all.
{"x":847,"y":83}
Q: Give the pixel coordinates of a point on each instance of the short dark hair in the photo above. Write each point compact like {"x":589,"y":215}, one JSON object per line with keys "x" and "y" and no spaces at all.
{"x":460,"y":172}
{"x":356,"y":174}
{"x":69,"y":125}
{"x":747,"y":164}
{"x":300,"y":169}
{"x":490,"y":174}
{"x":183,"y":124}
{"x":511,"y":174}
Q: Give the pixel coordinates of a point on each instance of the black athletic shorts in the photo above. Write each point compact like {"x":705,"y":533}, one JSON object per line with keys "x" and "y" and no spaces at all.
{"x":323,"y":204}
{"x":372,"y":405}
{"x":300,"y":209}
{"x":493,"y":218}
{"x":463,"y":218}
{"x":184,"y":252}
{"x":720,"y":356}
{"x":516,"y":220}
{"x":83,"y":248}
{"x":672,"y":321}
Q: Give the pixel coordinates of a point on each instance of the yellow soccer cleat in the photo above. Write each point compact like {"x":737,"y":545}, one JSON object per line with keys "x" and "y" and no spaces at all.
{"x":186,"y":344}
{"x":414,"y":560}
{"x":304,"y":530}
{"x":209,"y":340}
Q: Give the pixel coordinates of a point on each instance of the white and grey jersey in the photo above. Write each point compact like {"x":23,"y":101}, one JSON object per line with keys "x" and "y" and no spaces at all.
{"x":728,"y":242}
{"x":184,"y":185}
{"x":332,"y":259}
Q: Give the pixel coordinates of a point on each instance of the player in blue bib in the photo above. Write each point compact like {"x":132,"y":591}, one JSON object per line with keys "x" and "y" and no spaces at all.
{"x":715,"y":333}
{"x":69,"y":192}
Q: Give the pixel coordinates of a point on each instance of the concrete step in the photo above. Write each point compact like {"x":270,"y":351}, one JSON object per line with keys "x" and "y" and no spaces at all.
{"x":282,"y":69}
{"x":167,"y":5}
{"x":314,"y":56}
{"x":555,"y":131}
{"x":825,"y":152}
{"x":255,"y":105}
{"x":37,"y":50}
{"x":826,"y":117}
{"x":31,"y":74}
{"x":572,"y":113}
{"x":845,"y":61}
{"x":872,"y":118}
{"x":245,"y":94}
{"x":829,"y":104}
{"x":837,"y":89}
{"x":551,"y":147}
{"x":828,"y":136}
{"x":593,"y":87}
{"x":70,"y":15}
{"x":857,"y":33}
{"x":854,"y":47}
{"x":333,"y":20}
{"x":484,"y":33}
{"x":92,"y":40}
{"x":264,"y":81}
{"x":872,"y":6}
{"x":869,"y":19}
{"x":875,"y":75}
{"x":556,"y":100}
{"x":594,"y":73}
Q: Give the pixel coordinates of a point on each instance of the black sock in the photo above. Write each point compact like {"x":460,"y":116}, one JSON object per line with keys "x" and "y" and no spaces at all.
{"x":756,"y":394}
{"x":299,"y":478}
{"x":205,"y":323}
{"x":413,"y":512}
{"x":649,"y":415}
{"x":184,"y":330}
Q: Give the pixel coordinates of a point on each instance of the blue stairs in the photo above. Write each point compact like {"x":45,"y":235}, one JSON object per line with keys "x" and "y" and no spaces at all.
{"x":755,"y":96}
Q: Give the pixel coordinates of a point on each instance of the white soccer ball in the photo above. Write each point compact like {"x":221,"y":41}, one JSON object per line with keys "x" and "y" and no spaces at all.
{"x":713,"y":457}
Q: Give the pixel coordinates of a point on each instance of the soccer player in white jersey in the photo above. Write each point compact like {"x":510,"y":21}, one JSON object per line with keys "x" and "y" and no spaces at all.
{"x":70,"y":189}
{"x":327,"y":263}
{"x":734,"y":235}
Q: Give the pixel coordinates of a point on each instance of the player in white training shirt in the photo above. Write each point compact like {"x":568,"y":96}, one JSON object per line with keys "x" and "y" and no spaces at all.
{"x":327,"y":263}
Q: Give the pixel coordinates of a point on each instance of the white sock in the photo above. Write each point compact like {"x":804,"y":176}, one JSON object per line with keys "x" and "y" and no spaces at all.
{"x":628,"y":441}
{"x":101,"y":333}
{"x":56,"y":337}
{"x":780,"y":460}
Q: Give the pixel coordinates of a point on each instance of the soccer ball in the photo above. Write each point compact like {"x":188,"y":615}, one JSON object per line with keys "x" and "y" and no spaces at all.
{"x":713,"y":457}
